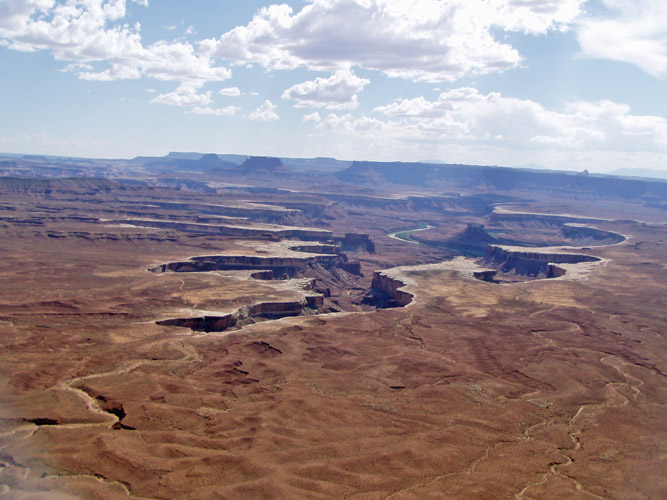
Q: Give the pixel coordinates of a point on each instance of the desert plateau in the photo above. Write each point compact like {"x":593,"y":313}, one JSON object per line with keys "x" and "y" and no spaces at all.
{"x":258,"y":330}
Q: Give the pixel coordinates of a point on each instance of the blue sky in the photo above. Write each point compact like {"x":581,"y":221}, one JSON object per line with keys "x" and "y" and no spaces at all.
{"x":566,"y":84}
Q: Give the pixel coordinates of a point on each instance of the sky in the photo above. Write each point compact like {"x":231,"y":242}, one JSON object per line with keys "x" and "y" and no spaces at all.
{"x":562,"y":84}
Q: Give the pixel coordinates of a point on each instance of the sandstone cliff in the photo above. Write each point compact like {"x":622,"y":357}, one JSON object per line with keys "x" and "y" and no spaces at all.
{"x":533,"y":263}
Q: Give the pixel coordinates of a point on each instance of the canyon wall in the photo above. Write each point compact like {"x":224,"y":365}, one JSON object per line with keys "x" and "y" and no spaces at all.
{"x":531,"y":263}
{"x":264,"y":310}
{"x":589,"y":236}
{"x":385,"y":287}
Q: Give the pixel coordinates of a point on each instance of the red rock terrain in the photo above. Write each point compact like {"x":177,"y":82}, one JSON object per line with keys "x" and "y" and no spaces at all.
{"x":521,"y":388}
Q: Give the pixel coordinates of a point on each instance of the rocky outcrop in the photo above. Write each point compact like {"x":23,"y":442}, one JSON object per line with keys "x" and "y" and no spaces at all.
{"x":554,"y":271}
{"x":263,"y":310}
{"x":527,"y":262}
{"x":263,"y":165}
{"x":386,"y":292}
{"x":203,"y":323}
{"x":277,"y":266}
{"x":488,"y":276}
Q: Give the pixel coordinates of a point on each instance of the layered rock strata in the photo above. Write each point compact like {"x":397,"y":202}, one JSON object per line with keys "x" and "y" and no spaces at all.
{"x":532,"y":262}
{"x":278,"y":266}
{"x":386,"y":291}
{"x":263,"y":310}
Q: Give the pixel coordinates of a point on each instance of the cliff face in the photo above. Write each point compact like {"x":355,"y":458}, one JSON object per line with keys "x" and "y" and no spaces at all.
{"x":589,"y":236}
{"x":534,"y":264}
{"x":278,"y":266}
{"x":204,"y":323}
{"x":488,"y":276}
{"x":356,"y":241}
{"x":265,"y":310}
{"x":386,"y":292}
{"x":535,"y":221}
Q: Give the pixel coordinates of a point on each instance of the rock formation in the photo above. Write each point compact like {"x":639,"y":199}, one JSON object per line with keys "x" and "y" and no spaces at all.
{"x":263,"y":165}
{"x":263,"y":310}
{"x":386,"y":292}
{"x":532,"y":262}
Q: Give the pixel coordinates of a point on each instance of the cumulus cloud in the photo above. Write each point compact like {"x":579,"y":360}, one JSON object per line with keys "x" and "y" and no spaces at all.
{"x":266,"y":112}
{"x":336,"y":92}
{"x":631,"y":31}
{"x":230,"y":91}
{"x":427,"y":40}
{"x":467,"y":126}
{"x":184,"y":95}
{"x":466,"y":116}
{"x":226,"y":111}
{"x":312,"y":117}
{"x":92,"y":31}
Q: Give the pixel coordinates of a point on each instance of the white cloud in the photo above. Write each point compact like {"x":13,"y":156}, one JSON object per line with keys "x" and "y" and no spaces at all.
{"x":631,"y":31}
{"x":77,"y":67}
{"x":116,"y":72}
{"x":226,"y":111}
{"x":426,"y":40}
{"x":312,"y":117}
{"x":536,"y":16}
{"x":92,"y":30}
{"x":495,"y":129}
{"x":266,"y":112}
{"x":184,"y":95}
{"x":336,"y":92}
{"x":230,"y":91}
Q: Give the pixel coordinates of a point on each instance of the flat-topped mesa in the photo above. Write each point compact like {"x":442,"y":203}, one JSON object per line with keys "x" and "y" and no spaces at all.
{"x":263,"y":165}
{"x":278,"y":266}
{"x":538,"y":264}
{"x":386,"y":292}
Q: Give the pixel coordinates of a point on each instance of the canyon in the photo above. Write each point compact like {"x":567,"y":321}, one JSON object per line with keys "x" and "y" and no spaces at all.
{"x":223,"y":327}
